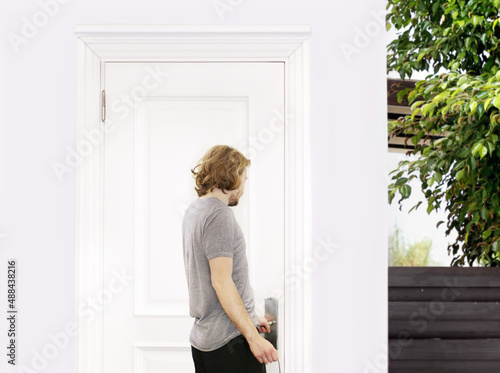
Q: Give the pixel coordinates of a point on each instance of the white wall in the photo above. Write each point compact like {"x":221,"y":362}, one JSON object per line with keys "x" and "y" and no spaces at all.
{"x":348,"y":141}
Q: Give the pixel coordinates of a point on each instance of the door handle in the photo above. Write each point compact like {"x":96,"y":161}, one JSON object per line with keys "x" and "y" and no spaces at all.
{"x":271,"y":309}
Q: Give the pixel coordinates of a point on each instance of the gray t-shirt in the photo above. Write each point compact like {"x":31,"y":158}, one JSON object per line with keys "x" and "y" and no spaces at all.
{"x":210,"y":230}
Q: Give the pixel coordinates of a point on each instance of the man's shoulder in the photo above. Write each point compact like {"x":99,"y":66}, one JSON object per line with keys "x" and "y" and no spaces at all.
{"x":207,"y":209}
{"x":219,"y":213}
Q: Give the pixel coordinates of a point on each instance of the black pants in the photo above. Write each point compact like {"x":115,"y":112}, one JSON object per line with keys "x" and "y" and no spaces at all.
{"x":233,"y":357}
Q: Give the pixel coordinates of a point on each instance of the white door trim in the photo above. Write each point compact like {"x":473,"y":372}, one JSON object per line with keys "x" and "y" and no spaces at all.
{"x":98,"y":44}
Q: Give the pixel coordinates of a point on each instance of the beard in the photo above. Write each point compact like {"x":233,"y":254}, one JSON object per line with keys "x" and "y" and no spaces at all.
{"x":234,"y":198}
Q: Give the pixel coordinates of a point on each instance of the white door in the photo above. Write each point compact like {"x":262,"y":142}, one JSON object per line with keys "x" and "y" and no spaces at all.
{"x":162,"y":118}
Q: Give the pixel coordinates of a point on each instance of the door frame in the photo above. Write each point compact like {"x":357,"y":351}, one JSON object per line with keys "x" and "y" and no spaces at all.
{"x":98,"y":44}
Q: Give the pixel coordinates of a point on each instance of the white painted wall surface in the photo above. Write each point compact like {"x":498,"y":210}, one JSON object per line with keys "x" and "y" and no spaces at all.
{"x":348,"y":142}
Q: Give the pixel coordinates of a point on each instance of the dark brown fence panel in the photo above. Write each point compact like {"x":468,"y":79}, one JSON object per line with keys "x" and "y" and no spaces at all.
{"x":444,"y":319}
{"x":419,"y":366}
{"x":470,"y":294}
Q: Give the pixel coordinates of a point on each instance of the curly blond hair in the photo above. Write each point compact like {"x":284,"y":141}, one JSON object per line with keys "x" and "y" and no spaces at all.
{"x":220,"y":167}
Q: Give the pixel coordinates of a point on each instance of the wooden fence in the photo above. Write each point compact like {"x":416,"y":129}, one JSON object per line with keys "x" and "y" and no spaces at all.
{"x":444,"y":319}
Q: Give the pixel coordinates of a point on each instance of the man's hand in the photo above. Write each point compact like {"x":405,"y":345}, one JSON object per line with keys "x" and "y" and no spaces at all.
{"x":264,"y":325}
{"x":263,"y":350}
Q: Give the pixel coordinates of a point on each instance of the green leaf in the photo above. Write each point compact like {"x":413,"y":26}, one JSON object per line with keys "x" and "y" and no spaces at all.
{"x":475,"y":218}
{"x":455,"y":92}
{"x":483,"y":151}
{"x":415,"y":207}
{"x":405,"y":191}
{"x":486,"y":234}
{"x":439,"y":97}
{"x":400,"y":95}
{"x":496,"y":102}
{"x":416,"y":104}
{"x":458,"y":165}
{"x":439,"y":141}
{"x":482,"y":94}
{"x":392,"y":193}
{"x":476,"y":20}
{"x":480,"y":110}
{"x":437,"y":177}
{"x":401,"y":181}
{"x":473,"y":163}
{"x":415,"y":112}
{"x":473,"y":106}
{"x":460,"y":174}
{"x":487,"y":103}
{"x":425,"y":108}
{"x":462,"y":153}
{"x":429,"y":88}
{"x":420,"y":56}
{"x":484,"y":213}
{"x":490,"y":147}
{"x":477,"y":148}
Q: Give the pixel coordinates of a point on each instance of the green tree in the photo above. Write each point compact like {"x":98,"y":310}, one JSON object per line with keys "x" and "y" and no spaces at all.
{"x":457,"y":35}
{"x":414,"y":254}
{"x":454,"y":119}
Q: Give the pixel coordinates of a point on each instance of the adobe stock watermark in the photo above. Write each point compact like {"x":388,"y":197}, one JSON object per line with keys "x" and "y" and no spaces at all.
{"x":221,"y":7}
{"x":419,"y":320}
{"x":363,"y":37}
{"x":31,"y":26}
{"x":122,"y":107}
{"x":59,"y":341}
{"x":322,"y":251}
{"x":266,"y":135}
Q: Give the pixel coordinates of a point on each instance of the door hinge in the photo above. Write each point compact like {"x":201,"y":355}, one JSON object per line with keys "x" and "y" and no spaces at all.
{"x":103,"y":105}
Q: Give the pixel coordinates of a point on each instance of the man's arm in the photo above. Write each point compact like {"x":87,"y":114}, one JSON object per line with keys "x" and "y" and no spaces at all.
{"x":221,"y":269}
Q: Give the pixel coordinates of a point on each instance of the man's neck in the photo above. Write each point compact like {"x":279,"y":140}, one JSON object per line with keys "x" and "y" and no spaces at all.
{"x":220,"y":196}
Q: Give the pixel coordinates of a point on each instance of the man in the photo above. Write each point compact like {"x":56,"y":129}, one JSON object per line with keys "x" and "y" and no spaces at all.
{"x":225,"y":335}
